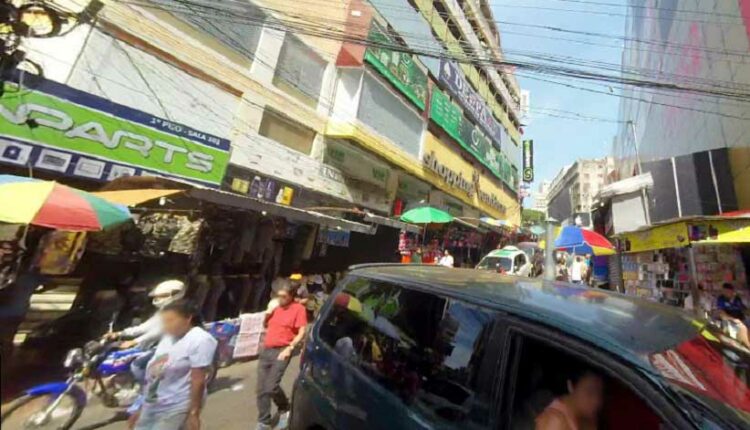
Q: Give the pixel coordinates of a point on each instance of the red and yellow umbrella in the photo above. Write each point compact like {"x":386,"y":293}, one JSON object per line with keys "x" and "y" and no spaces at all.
{"x":53,"y":205}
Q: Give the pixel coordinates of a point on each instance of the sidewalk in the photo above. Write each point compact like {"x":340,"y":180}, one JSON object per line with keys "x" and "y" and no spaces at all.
{"x":230,"y":405}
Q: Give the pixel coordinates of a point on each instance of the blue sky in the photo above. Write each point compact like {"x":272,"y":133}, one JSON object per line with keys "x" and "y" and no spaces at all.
{"x":560,"y":141}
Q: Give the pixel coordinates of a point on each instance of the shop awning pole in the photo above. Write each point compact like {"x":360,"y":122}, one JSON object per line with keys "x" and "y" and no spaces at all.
{"x":549,"y":252}
{"x":694,"y":291}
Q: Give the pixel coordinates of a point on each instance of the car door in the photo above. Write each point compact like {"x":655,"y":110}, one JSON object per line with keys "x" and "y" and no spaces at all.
{"x":523,"y":268}
{"x":539,"y":360}
{"x":415,"y":360}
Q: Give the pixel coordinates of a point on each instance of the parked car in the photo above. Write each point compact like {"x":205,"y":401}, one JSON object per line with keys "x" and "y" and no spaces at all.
{"x":423,"y":347}
{"x":509,"y":260}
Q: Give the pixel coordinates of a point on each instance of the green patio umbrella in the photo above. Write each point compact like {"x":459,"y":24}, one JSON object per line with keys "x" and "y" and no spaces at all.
{"x":426,"y":215}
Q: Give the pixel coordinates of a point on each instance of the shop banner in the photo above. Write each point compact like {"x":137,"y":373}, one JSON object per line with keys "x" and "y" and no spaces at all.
{"x":453,"y":78}
{"x":528,"y":161}
{"x":720,"y":231}
{"x":54,"y":127}
{"x":398,"y":67}
{"x":356,"y":165}
{"x":448,"y":116}
{"x":334,"y":237}
{"x":661,"y":237}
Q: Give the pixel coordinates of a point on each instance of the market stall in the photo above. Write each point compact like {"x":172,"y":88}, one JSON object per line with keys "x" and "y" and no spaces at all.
{"x":672,"y":260}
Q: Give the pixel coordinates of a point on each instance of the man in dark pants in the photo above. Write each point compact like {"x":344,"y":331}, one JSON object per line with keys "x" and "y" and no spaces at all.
{"x":285,"y":329}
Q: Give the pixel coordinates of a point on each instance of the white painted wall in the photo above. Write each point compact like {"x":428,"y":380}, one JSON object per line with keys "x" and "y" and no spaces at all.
{"x":123,"y":74}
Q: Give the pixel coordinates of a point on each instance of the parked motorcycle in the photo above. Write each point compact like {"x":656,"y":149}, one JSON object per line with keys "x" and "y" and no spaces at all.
{"x":57,"y":405}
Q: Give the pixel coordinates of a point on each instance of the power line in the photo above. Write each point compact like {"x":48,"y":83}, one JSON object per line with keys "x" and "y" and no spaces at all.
{"x":313,"y":29}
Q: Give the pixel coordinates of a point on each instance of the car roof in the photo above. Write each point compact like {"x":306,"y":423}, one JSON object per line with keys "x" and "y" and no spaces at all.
{"x":505,"y":252}
{"x":628,"y":327}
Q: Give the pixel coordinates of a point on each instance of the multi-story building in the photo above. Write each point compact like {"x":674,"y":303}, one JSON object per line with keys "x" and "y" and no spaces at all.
{"x":572,"y":193}
{"x":695,"y":144}
{"x":313,"y":106}
{"x":540,"y":196}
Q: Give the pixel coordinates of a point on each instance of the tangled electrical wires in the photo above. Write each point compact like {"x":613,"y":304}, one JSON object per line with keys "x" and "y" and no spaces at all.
{"x":37,"y":19}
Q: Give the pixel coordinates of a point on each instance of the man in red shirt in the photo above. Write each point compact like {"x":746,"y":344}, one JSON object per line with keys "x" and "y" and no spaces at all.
{"x":285,"y":329}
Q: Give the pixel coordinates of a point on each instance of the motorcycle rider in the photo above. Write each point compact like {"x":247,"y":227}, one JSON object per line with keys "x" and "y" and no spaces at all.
{"x":149,"y":332}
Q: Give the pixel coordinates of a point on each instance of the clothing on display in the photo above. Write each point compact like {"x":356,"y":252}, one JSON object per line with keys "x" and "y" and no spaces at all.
{"x":10,"y":253}
{"x":59,"y":252}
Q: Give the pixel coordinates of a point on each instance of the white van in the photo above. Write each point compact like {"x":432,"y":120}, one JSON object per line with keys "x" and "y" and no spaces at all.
{"x":509,"y":260}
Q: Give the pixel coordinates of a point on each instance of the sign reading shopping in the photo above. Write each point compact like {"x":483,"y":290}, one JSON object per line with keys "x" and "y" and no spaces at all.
{"x":528,"y":161}
{"x":398,"y":67}
{"x":453,"y":78}
{"x":54,"y":127}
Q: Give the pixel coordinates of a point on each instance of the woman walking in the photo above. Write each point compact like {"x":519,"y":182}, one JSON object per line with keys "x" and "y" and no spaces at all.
{"x":176,"y":375}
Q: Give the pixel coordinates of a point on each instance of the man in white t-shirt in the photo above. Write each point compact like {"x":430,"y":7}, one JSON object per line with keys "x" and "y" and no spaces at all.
{"x":447,"y":259}
{"x":576,"y":270}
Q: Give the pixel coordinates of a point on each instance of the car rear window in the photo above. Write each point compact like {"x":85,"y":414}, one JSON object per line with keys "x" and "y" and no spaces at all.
{"x":496,"y":263}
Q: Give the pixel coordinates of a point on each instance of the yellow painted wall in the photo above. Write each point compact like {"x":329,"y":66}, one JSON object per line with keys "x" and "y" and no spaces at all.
{"x":373,"y":143}
{"x":450,"y":156}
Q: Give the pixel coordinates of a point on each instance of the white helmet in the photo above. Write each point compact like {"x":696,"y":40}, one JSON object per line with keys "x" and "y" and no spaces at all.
{"x":167,"y":292}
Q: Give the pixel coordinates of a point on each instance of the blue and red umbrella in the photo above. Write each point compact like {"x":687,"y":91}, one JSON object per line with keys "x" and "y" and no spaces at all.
{"x":579,"y":241}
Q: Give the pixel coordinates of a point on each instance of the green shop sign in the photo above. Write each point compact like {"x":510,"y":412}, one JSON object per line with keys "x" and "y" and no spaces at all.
{"x":398,"y":67}
{"x":54,"y":127}
{"x":450,"y":118}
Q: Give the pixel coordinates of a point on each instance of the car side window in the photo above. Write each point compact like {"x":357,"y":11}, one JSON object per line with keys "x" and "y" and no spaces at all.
{"x":429,"y":351}
{"x":520,"y":261}
{"x":545,"y":374}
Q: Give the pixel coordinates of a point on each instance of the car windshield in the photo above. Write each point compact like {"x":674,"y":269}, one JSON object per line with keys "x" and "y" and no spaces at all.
{"x":711,"y":370}
{"x":496,"y":263}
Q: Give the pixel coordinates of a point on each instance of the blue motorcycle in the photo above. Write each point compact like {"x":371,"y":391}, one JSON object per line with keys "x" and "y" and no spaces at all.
{"x":58,"y":405}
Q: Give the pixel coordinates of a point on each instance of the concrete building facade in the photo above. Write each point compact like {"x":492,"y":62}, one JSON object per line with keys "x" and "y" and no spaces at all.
{"x":572,"y":193}
{"x":693,"y":44}
{"x":283,"y":106}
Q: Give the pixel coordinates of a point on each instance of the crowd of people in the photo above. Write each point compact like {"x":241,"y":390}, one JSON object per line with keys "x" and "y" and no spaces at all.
{"x":577,"y":269}
{"x":175,"y":373}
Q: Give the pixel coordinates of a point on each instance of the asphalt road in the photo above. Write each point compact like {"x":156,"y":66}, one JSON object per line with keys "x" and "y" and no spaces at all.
{"x":230,"y":404}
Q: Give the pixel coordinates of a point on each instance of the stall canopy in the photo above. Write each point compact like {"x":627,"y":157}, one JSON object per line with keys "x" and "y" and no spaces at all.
{"x":294,"y":214}
{"x":682,"y":232}
{"x":390,"y":222}
{"x":135,"y":197}
{"x":146,"y":187}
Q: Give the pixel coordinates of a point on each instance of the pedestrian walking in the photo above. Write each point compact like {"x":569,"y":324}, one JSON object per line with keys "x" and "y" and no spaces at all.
{"x":176,"y":375}
{"x":577,"y":270}
{"x":285,"y":329}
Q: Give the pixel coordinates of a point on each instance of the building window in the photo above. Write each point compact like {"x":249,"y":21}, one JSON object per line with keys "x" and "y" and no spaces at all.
{"x":287,"y":132}
{"x":242,"y":36}
{"x":390,"y":115}
{"x":299,"y":71}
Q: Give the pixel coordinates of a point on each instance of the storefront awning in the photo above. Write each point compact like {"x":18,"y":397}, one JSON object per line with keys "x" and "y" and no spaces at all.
{"x":390,"y":222}
{"x":681,"y":232}
{"x":294,"y":214}
{"x":237,"y":201}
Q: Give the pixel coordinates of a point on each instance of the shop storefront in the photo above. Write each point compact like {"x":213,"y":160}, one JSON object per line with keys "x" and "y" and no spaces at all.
{"x":64,"y":132}
{"x":671,"y":261}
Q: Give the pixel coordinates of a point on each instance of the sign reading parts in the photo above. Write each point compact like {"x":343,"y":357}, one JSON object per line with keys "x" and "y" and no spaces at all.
{"x":54,"y":127}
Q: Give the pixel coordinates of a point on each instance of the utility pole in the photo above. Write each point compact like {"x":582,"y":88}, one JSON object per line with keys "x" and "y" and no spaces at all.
{"x":549,"y":250}
{"x":644,"y":193}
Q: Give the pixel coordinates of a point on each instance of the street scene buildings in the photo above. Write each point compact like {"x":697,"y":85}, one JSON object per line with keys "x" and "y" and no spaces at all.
{"x":371,"y":214}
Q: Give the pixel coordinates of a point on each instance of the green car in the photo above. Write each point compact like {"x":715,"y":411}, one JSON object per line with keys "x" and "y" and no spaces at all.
{"x":427,"y":347}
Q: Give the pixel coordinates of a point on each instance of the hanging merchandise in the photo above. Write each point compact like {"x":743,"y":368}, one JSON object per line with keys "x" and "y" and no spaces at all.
{"x":186,"y":239}
{"x":10,"y":253}
{"x":158,"y":229}
{"x":59,"y":252}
